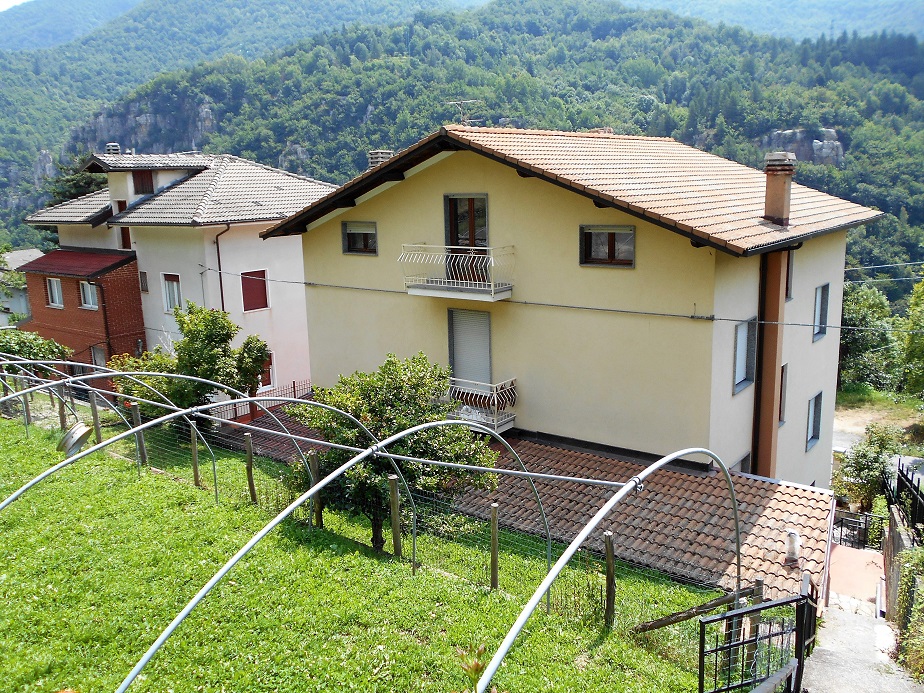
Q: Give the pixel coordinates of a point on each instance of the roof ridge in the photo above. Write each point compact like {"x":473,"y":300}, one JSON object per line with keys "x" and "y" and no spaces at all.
{"x":217,"y":172}
{"x":564,"y":133}
{"x":282,"y":171}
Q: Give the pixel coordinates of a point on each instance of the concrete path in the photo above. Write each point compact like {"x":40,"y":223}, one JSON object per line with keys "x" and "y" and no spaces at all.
{"x":853,"y":647}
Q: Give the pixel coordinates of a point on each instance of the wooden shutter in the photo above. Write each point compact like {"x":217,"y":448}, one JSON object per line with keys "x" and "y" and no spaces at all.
{"x":470,"y":345}
{"x":253,"y":287}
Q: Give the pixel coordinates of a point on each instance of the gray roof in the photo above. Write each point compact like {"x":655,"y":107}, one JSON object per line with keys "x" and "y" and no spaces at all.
{"x":104,"y":163}
{"x":231,"y":189}
{"x":89,"y":209}
{"x":17,"y":258}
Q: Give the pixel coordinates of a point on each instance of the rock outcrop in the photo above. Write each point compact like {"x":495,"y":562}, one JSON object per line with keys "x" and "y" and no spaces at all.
{"x":828,"y":150}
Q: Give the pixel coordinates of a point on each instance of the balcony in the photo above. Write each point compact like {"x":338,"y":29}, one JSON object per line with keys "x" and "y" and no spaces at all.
{"x":484,"y":403}
{"x":479,"y":274}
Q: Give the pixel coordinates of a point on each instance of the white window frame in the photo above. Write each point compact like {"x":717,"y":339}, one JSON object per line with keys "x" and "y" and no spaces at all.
{"x":784,"y":378}
{"x":744,"y":364}
{"x":820,"y":315}
{"x":89,"y":296}
{"x":98,"y":355}
{"x":168,"y":308}
{"x":813,"y":427}
{"x":56,"y":293}
{"x":789,"y":270}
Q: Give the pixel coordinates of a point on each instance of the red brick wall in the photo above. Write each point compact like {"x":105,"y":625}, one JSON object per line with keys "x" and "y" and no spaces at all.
{"x":119,"y":298}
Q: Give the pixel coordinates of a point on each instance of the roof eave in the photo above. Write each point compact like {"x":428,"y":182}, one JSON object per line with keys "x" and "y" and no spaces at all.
{"x":796,"y":240}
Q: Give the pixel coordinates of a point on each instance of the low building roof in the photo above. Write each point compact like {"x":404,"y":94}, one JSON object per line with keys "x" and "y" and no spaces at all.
{"x":680,"y":524}
{"x":709,"y":199}
{"x":17,"y":258}
{"x":92,"y":209}
{"x":230,"y":189}
{"x":186,"y":161}
{"x":83,"y":263}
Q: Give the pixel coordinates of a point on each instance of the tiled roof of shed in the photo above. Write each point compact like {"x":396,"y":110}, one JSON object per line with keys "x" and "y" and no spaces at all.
{"x":104,"y":163}
{"x":86,"y":264}
{"x":700,"y":195}
{"x":88,"y":209}
{"x":231,"y":189}
{"x":681,"y":523}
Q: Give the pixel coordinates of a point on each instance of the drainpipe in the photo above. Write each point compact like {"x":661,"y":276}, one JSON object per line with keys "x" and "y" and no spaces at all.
{"x":221,"y":284}
{"x":102,"y":300}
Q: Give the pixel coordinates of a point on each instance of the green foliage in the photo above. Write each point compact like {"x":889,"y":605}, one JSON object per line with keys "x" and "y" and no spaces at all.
{"x":397,"y":396}
{"x":914,"y":341}
{"x":862,"y":472}
{"x":877,"y":526}
{"x":29,"y":345}
{"x":147,"y":387}
{"x":71,"y":181}
{"x":46,"y":23}
{"x":911,"y":637}
{"x":870,"y":353}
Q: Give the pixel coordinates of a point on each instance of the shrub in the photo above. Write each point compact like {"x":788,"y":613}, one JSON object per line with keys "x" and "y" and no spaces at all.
{"x":860,"y":476}
{"x":911,"y":637}
{"x":877,"y":526}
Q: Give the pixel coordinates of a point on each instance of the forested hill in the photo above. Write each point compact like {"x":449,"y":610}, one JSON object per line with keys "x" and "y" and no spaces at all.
{"x":45,"y":92}
{"x":318,"y":106}
{"x":802,"y":18}
{"x":46,"y":23}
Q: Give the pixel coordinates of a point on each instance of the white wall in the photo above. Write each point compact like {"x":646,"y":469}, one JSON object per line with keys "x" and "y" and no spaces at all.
{"x":83,"y":236}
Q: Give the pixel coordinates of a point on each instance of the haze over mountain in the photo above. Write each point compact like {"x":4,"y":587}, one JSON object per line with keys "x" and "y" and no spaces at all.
{"x":45,"y":23}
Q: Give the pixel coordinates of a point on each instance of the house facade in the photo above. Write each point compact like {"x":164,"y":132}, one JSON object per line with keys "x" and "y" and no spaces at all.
{"x":193,"y":222}
{"x":14,"y":300}
{"x":619,"y":291}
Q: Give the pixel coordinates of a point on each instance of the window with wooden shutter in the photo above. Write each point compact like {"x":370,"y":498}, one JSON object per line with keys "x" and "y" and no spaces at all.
{"x":266,"y":375}
{"x":125,"y":238}
{"x":143,"y":182}
{"x":254,"y":291}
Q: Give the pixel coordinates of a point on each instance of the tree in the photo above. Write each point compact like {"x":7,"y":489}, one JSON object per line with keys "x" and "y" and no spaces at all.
{"x":29,"y":345}
{"x":869,"y":350}
{"x":398,"y":395}
{"x":914,"y":341}
{"x":862,"y":474}
{"x":72,"y":181}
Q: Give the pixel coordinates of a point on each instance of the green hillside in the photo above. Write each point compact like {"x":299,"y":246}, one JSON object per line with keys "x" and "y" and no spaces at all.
{"x":318,"y":106}
{"x":801,"y":18}
{"x":46,"y":23}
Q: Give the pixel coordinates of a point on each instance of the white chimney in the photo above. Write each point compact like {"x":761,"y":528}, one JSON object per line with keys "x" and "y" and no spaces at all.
{"x":793,"y":547}
{"x":113,"y":148}
{"x":378,"y":156}
{"x":779,"y":167}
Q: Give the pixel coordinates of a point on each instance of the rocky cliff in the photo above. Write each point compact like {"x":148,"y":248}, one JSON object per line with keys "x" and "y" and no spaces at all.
{"x":821,"y":147}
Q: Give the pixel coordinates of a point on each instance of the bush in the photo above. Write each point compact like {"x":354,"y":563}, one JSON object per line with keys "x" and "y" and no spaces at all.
{"x":911,"y":637}
{"x":860,"y":476}
{"x":877,"y":526}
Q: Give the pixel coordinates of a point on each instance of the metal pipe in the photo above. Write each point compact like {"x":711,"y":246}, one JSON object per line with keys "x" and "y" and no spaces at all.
{"x":635,"y":483}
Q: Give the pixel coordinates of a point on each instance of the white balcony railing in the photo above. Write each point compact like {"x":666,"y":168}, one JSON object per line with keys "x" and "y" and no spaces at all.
{"x":485,"y":403}
{"x":485,"y":274}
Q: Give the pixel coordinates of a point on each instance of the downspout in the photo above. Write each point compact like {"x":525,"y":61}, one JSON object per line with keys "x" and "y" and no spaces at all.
{"x":221,"y":284}
{"x":102,"y":299}
{"x":758,"y":369}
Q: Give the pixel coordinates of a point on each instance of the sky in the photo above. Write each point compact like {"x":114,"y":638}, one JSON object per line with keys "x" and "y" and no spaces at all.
{"x":5,"y":4}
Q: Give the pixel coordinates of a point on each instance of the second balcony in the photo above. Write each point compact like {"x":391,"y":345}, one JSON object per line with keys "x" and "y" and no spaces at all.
{"x":479,"y":274}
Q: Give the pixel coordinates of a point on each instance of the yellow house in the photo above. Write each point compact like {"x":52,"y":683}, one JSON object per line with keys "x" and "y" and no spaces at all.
{"x":598,"y":289}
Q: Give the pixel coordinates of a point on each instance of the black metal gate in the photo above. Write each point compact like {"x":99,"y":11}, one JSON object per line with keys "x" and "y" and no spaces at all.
{"x":761,"y":647}
{"x":859,"y":530}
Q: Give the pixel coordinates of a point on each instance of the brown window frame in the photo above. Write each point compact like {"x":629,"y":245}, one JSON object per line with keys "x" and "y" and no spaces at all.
{"x":364,"y":231}
{"x":254,"y":290}
{"x":587,"y":232}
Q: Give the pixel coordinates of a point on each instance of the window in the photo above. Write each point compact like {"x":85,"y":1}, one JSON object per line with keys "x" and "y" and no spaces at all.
{"x":608,"y":245}
{"x":125,"y":237}
{"x":172,"y":295}
{"x":821,"y":312}
{"x":360,"y":237}
{"x":470,"y":347}
{"x":143,"y":182}
{"x":253,"y":288}
{"x":55,"y":295}
{"x":784,"y":372}
{"x":466,"y":220}
{"x":143,"y":280}
{"x":814,"y":422}
{"x":266,"y":375}
{"x":98,"y":355}
{"x":745,"y":353}
{"x":789,"y":260}
{"x":88,"y":297}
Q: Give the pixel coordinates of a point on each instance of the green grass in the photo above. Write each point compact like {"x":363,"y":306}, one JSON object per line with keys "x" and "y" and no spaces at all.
{"x":95,"y":562}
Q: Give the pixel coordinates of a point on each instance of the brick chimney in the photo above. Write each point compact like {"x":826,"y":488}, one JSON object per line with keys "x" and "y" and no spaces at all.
{"x":779,"y":167}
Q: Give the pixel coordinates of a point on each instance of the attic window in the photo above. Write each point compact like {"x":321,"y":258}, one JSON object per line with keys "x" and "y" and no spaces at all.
{"x":143,"y":182}
{"x":608,"y":245}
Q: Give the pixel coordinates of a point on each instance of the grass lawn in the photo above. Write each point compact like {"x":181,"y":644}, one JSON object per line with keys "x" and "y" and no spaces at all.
{"x":95,"y":562}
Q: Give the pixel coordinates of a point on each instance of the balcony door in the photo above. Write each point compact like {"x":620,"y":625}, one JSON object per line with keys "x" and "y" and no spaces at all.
{"x":467,"y":236}
{"x":470,"y":349}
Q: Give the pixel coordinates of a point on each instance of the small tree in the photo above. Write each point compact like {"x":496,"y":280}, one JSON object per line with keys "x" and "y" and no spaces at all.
{"x":862,"y":473}
{"x":29,"y":345}
{"x":870,"y":354}
{"x":398,"y":395}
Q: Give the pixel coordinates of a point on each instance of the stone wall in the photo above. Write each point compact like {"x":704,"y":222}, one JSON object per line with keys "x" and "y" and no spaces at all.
{"x":898,"y":539}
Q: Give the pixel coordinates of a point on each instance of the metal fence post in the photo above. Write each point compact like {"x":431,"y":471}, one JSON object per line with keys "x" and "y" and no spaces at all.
{"x":317,"y":507}
{"x":26,"y":412}
{"x":609,"y":610}
{"x":750,"y":650}
{"x":139,"y":436}
{"x":94,"y":413}
{"x":194,"y":447}
{"x":395,"y":514}
{"x":62,"y":410}
{"x":248,"y":446}
{"x":495,"y":559}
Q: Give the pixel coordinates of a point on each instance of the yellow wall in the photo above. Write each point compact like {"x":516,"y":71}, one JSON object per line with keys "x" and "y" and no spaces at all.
{"x":583,"y":369}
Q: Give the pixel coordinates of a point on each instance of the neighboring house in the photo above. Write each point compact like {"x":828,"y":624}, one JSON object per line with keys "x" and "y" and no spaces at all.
{"x":193,"y":223}
{"x":13,"y":297}
{"x":645,"y":309}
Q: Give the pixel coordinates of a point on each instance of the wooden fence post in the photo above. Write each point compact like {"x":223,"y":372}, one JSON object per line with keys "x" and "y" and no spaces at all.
{"x":495,"y":562}
{"x":315,"y":466}
{"x":248,"y":446}
{"x":94,"y":413}
{"x":395,"y":514}
{"x":26,"y":409}
{"x":139,"y":436}
{"x":62,"y":408}
{"x":609,"y":610}
{"x":194,"y":447}
{"x":750,"y":650}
